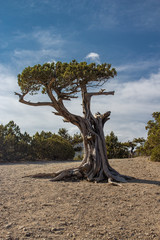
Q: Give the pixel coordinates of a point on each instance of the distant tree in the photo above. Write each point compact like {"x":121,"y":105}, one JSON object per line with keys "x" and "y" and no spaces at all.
{"x":12,"y":136}
{"x":131,"y":146}
{"x":139,"y":146}
{"x":2,"y":130}
{"x":24,"y":148}
{"x":75,"y":140}
{"x":152,"y":144}
{"x":115,"y":149}
{"x":61,"y":82}
{"x":63,"y":132}
{"x":13,"y":144}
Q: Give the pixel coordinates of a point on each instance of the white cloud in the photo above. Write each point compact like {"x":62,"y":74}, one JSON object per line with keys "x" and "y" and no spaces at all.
{"x":30,"y":57}
{"x":48,"y":47}
{"x":48,"y":38}
{"x":8,"y":82}
{"x":131,"y":107}
{"x":93,"y":57}
{"x":138,"y":66}
{"x":141,"y":15}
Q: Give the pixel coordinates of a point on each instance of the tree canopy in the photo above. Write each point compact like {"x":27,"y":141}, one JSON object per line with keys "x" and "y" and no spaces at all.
{"x":66,"y":79}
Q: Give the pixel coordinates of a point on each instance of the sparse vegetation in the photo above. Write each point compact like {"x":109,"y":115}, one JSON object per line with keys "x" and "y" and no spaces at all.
{"x":15,"y":146}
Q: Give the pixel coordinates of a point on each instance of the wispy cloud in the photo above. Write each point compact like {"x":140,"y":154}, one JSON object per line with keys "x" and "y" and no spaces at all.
{"x":93,"y":57}
{"x":48,"y":38}
{"x":131,"y":106}
{"x":139,"y":65}
{"x":29,"y":57}
{"x":140,"y":15}
{"x":48,"y":46}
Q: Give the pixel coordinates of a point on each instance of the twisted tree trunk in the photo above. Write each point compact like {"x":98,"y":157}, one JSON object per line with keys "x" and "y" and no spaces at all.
{"x":95,"y":166}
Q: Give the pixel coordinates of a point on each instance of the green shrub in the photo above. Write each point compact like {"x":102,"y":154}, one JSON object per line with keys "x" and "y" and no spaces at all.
{"x":51,"y":147}
{"x":155,"y":154}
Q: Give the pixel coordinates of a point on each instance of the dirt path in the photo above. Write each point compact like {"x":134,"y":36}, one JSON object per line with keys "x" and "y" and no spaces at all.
{"x":40,"y":209}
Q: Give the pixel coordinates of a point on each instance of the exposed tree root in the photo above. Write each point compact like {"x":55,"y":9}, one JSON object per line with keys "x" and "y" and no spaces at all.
{"x":81,"y":172}
{"x":42,"y":175}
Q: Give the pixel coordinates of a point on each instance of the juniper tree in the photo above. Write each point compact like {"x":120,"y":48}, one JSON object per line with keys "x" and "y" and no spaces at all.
{"x":66,"y":81}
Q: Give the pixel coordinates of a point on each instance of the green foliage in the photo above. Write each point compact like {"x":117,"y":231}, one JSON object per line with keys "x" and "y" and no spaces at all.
{"x":115,"y":149}
{"x":63,"y":132}
{"x":77,"y":138}
{"x":65,"y":77}
{"x":52,"y":147}
{"x":155,"y":154}
{"x":135,"y":147}
{"x":139,"y":146}
{"x":152,"y":145}
{"x":74,"y":141}
{"x":15,"y":146}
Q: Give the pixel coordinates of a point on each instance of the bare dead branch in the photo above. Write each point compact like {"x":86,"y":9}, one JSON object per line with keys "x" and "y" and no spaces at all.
{"x":101,"y":92}
{"x":21,"y":99}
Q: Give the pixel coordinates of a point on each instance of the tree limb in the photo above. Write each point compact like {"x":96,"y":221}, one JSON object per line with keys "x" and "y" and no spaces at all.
{"x":50,"y":94}
{"x":90,"y":94}
{"x":21,"y":99}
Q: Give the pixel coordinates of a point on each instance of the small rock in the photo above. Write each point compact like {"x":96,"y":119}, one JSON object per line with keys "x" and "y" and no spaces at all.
{"x":120,"y":228}
{"x":63,"y":224}
{"x":27,"y":234}
{"x":8,"y":225}
{"x":56,"y":229}
{"x":91,"y":225}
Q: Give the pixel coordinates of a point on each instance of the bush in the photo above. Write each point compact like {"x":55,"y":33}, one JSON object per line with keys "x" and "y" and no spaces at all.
{"x":155,"y":154}
{"x":15,"y":146}
{"x":52,"y":147}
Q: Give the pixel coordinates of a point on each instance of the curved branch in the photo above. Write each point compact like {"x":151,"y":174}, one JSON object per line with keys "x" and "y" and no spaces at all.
{"x":50,"y":94}
{"x":59,"y":106}
{"x":21,"y":99}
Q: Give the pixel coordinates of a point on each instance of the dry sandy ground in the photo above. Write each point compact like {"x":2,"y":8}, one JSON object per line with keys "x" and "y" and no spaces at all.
{"x":41,"y":209}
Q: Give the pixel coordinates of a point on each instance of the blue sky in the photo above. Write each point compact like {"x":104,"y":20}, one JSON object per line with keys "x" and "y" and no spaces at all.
{"x":121,"y":32}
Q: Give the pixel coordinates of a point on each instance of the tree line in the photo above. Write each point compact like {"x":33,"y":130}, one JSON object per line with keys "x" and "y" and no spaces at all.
{"x":15,"y":145}
{"x":138,"y":146}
